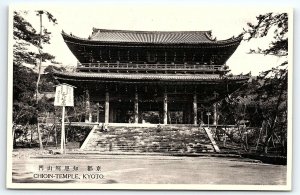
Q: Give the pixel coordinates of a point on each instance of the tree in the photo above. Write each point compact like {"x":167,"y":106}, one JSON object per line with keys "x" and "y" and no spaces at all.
{"x":271,"y":91}
{"x":26,"y":37}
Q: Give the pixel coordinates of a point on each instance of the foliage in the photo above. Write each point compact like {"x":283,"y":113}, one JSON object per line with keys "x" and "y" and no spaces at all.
{"x":26,"y":38}
{"x":27,"y":50}
{"x":264,"y":98}
{"x":48,"y":81}
{"x":278,"y":23}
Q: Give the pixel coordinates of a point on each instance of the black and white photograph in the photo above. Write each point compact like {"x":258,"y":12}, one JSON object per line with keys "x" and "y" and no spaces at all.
{"x":176,"y":97}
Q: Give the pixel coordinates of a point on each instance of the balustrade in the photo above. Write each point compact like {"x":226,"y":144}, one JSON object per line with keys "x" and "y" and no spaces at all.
{"x":145,"y":67}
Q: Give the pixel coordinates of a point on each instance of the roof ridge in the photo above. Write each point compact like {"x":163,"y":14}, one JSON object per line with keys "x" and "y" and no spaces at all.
{"x":146,"y":31}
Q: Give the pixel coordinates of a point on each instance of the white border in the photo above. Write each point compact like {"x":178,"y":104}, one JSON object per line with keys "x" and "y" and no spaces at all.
{"x":9,"y":183}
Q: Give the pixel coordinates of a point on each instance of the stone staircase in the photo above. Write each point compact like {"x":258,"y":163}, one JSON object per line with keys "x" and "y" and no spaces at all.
{"x":164,"y":139}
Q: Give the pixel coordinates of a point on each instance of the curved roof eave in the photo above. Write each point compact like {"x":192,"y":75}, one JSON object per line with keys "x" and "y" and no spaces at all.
{"x":230,"y":41}
{"x":146,"y":77}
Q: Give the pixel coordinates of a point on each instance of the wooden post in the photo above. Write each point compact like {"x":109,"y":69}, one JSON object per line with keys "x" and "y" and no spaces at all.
{"x":195,"y":109}
{"x":215,"y":122}
{"x":98,"y":112}
{"x":215,"y":114}
{"x":208,"y":120}
{"x":165,"y":108}
{"x":165,"y":57}
{"x":106,"y":107}
{"x":88,"y":113}
{"x":208,"y":114}
{"x":136,"y":107}
{"x":62,"y":142}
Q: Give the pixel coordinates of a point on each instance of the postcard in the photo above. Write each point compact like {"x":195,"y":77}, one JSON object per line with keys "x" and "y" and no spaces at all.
{"x":165,"y":97}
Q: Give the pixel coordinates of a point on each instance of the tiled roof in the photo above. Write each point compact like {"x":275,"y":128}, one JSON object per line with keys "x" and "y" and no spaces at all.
{"x":141,"y":77}
{"x":154,"y":37}
{"x":151,"y":36}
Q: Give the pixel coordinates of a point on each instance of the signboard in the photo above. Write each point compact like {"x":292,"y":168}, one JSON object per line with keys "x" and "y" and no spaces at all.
{"x":64,"y":95}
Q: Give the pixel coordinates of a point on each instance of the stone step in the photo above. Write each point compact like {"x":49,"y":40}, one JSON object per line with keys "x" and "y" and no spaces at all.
{"x":137,"y":139}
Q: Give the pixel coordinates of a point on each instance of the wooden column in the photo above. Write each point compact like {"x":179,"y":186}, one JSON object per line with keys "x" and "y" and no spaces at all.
{"x":98,"y":112}
{"x":215,"y":122}
{"x":106,"y":107}
{"x":166,"y":56}
{"x":165,"y":108}
{"x":119,"y":58}
{"x":88,"y":113}
{"x":195,"y":109}
{"x":111,"y":113}
{"x":136,"y":107}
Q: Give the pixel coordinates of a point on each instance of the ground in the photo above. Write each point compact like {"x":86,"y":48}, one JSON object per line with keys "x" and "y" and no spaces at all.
{"x":144,"y":169}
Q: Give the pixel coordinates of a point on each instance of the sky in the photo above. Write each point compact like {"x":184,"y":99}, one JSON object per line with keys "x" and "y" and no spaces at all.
{"x":224,"y":22}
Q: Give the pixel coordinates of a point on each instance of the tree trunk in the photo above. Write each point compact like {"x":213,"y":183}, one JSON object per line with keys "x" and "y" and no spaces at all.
{"x":55,"y":130}
{"x":14,"y":137}
{"x":37,"y":86}
{"x":275,"y":116}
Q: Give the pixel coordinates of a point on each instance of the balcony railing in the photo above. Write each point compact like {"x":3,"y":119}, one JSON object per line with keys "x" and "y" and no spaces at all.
{"x":148,"y":67}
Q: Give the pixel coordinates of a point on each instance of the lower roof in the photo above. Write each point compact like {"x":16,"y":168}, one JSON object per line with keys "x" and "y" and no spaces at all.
{"x":82,"y":76}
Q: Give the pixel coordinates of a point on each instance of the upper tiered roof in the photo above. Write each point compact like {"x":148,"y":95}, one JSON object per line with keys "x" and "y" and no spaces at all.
{"x":130,"y":51}
{"x":105,"y":35}
{"x":152,"y":37}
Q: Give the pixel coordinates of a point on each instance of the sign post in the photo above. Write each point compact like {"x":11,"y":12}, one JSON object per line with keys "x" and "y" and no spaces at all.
{"x":64,"y":96}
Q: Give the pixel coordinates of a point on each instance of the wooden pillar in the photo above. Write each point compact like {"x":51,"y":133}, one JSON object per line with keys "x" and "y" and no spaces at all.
{"x":106,"y":115}
{"x":183,"y":114}
{"x":174,"y":56}
{"x":136,"y":107}
{"x":88,"y":113}
{"x":98,"y":112}
{"x":195,"y":109}
{"x":215,"y":122}
{"x":166,"y":56}
{"x":165,"y":108}
{"x":111,"y":113}
{"x":189,"y":111}
{"x":119,"y":58}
